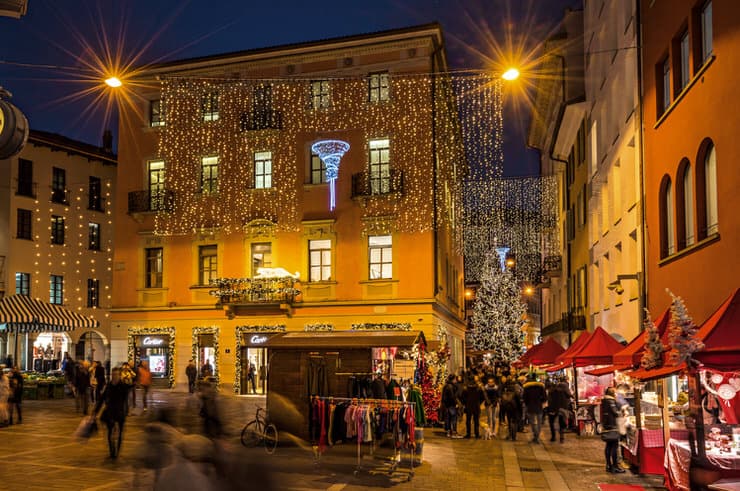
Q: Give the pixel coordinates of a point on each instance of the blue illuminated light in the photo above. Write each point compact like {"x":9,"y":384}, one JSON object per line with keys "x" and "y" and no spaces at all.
{"x":502,"y":251}
{"x":331,"y":152}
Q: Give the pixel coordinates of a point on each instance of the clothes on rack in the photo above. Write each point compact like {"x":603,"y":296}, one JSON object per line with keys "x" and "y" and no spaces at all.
{"x":317,"y":380}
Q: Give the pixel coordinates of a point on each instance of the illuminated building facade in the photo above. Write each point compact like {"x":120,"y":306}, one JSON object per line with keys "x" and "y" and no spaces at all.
{"x":228,"y":236}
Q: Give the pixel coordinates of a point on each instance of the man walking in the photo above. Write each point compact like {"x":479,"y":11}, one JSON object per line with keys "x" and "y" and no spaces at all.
{"x":511,"y":406}
{"x":472,"y":398}
{"x":558,"y":404}
{"x":145,"y":381}
{"x":192,"y":374}
{"x":534,"y":396}
{"x":449,"y":402}
{"x":16,"y":394}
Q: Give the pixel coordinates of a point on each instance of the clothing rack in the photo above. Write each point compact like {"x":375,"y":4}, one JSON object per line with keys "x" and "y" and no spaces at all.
{"x":388,"y":403}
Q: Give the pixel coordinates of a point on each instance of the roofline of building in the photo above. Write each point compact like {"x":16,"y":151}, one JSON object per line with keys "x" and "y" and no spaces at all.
{"x":433,"y":29}
{"x":72,"y":147}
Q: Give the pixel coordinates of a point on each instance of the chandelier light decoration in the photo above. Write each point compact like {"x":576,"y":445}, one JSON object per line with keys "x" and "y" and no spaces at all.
{"x":439,"y":129}
{"x":331,"y":152}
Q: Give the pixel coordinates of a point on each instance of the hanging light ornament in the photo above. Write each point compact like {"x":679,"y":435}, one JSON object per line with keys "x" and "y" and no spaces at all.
{"x":331,"y":152}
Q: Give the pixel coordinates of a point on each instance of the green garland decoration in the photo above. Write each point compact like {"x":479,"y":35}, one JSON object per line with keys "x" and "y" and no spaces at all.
{"x":155,"y":331}
{"x":197,"y":331}
{"x":318,"y":327}
{"x":239,"y":330}
{"x":384,"y":326}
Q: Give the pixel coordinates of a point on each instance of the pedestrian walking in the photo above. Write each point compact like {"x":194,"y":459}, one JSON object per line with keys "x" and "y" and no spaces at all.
{"x":4,"y":395}
{"x":93,"y":383}
{"x":115,"y":398}
{"x":534,"y":397}
{"x":449,"y":402}
{"x":472,"y":399}
{"x":128,"y":378}
{"x":16,"y":395}
{"x":82,"y":387}
{"x":192,"y":373}
{"x":144,"y":380}
{"x":511,"y":406}
{"x":69,"y":367}
{"x":492,"y":397}
{"x":558,"y":408}
{"x":609,"y":430}
{"x":99,"y":376}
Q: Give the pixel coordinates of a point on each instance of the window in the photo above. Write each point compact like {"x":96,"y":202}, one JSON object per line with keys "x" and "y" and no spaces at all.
{"x":25,"y":178}
{"x":154,"y":267}
{"x":24,"y":229}
{"x":94,"y":191}
{"x":710,"y":191}
{"x":380,"y":166}
{"x":207,"y":264}
{"x":667,"y":228}
{"x":666,"y":86}
{"x":688,"y":205}
{"x":261,"y":256}
{"x":319,"y":94}
{"x":59,"y":185}
{"x":262,"y":170}
{"x":56,"y":289}
{"x":93,"y":236}
{"x":684,"y":68}
{"x":377,"y":86}
{"x":155,"y":178}
{"x":57,"y":230}
{"x":706,"y":31}
{"x":319,"y":260}
{"x":156,"y":113}
{"x":23,"y":283}
{"x":380,"y":257}
{"x":209,"y":107}
{"x":93,"y":293}
{"x":209,"y":175}
{"x":318,"y":170}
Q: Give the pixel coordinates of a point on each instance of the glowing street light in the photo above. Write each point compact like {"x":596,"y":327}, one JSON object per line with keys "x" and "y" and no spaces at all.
{"x":528,"y":290}
{"x":113,"y":82}
{"x":510,"y":74}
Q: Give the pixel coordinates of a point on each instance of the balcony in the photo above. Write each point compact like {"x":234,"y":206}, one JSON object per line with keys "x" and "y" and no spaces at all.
{"x":366,"y":185}
{"x":256,"y":296}
{"x":25,"y":188}
{"x":147,"y":201}
{"x":60,"y":196}
{"x":552,"y":266}
{"x":266,"y":119}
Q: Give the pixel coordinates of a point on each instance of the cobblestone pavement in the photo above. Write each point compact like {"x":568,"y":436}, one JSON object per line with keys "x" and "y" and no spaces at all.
{"x":42,"y":454}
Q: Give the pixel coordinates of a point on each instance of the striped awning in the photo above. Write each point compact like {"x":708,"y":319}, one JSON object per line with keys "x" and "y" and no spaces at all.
{"x":21,"y":313}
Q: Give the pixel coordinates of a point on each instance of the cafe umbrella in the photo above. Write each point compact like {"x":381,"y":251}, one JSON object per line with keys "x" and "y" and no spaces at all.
{"x":20,"y":314}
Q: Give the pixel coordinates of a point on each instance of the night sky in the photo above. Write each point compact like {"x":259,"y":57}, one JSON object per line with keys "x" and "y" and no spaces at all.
{"x":55,"y":33}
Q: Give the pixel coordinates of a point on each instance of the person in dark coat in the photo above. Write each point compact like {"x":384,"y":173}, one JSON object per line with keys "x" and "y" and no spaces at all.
{"x":472,"y":398}
{"x":82,"y":386}
{"x":192,"y":373}
{"x":511,"y":406}
{"x":16,"y":395}
{"x":115,"y":398}
{"x":449,"y":403}
{"x":558,"y":405}
{"x":609,"y":414}
{"x":99,"y":375}
{"x":534,"y":397}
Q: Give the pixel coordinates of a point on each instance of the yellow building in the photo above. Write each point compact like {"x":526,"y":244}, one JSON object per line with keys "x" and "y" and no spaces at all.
{"x":222,"y":181}
{"x":56,"y":217}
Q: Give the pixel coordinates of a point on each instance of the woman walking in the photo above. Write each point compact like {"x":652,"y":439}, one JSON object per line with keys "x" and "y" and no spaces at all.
{"x":114,"y":415}
{"x":609,"y":430}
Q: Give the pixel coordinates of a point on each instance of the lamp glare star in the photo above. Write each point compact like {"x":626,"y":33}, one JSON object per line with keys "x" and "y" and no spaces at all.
{"x":113,"y":82}
{"x":510,"y":74}
{"x":331,"y":152}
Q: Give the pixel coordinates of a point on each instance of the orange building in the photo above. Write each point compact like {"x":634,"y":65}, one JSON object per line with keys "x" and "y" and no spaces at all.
{"x":222,"y":181}
{"x":691,"y":55}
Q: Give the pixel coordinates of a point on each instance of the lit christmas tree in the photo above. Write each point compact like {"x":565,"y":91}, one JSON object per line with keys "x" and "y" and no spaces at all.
{"x":498,"y":315}
{"x":653,"y":355}
{"x":682,"y":333}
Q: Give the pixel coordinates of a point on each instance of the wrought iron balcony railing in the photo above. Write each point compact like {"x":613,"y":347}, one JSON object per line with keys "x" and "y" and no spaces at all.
{"x":255,"y":290}
{"x":60,"y":196}
{"x":366,"y":184}
{"x":147,"y":201}
{"x":552,"y":265}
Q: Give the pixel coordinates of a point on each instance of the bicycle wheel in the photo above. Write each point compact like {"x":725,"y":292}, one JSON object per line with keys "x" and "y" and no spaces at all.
{"x":270,"y":438}
{"x":251,"y":434}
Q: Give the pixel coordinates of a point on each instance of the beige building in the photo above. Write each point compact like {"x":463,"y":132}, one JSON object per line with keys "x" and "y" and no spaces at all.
{"x":56,"y":218}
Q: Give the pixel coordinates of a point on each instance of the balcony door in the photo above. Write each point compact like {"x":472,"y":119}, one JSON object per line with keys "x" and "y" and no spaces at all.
{"x":155,"y":184}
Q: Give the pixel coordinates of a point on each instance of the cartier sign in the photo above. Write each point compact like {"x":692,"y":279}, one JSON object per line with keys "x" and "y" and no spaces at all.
{"x":152,"y":341}
{"x":257,"y":339}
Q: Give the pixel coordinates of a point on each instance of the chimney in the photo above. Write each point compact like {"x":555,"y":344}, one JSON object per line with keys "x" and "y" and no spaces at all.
{"x":108,"y":141}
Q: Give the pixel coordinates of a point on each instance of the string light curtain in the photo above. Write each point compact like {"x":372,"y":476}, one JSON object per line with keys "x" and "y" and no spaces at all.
{"x":441,"y":127}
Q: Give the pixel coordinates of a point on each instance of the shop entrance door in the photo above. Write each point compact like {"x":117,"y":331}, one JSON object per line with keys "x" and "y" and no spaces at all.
{"x":254,"y":359}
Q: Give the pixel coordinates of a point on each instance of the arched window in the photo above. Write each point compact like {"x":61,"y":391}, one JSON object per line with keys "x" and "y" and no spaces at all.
{"x":706,"y":190}
{"x":667,"y":226}
{"x":685,"y":204}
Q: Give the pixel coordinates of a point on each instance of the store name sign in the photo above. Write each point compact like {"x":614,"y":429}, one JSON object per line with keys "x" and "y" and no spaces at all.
{"x":257,"y":339}
{"x":152,"y":341}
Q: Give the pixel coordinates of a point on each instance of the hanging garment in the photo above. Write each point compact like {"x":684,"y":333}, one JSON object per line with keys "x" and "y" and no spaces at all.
{"x":317,"y":382}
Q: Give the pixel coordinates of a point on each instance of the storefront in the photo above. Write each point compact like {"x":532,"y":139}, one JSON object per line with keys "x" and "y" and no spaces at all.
{"x":48,"y":350}
{"x":156,"y":350}
{"x":206,"y":351}
{"x":254,"y":362}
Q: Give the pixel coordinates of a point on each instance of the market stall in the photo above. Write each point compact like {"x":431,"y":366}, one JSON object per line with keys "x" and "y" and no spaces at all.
{"x":542,"y":354}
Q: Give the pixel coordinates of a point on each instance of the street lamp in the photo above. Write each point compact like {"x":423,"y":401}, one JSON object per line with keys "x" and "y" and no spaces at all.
{"x":510,"y":74}
{"x":113,"y":82}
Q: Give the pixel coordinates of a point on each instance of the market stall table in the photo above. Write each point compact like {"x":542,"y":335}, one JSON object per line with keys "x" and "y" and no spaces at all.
{"x":678,"y":464}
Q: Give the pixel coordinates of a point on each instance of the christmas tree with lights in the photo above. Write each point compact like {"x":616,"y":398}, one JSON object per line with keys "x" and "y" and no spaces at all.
{"x":682,"y":334}
{"x":653,"y":355}
{"x":498,"y":314}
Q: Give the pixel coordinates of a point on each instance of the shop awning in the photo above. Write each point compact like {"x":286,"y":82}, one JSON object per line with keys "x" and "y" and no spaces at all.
{"x":656,"y":373}
{"x":565,"y":359}
{"x":542,"y":354}
{"x":599,"y":349}
{"x":344,"y":339}
{"x":720,"y":335}
{"x":21,"y":313}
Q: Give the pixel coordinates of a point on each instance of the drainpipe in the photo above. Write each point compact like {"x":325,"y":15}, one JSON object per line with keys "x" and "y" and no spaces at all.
{"x":641,"y":133}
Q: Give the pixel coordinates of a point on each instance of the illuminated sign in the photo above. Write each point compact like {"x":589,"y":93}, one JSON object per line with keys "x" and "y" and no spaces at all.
{"x":152,"y":341}
{"x":257,"y":339}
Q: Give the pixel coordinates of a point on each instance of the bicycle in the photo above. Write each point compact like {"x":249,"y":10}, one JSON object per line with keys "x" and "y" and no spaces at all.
{"x":260,"y":431}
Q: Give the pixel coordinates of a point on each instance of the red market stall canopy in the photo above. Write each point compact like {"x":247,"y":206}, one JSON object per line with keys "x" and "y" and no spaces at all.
{"x":565,"y":358}
{"x":720,"y":335}
{"x":547,"y":354}
{"x":598,"y":350}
